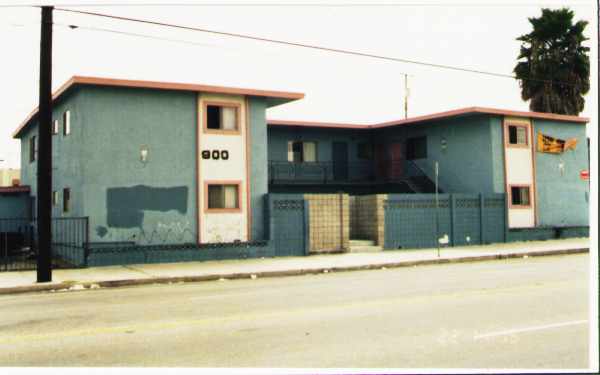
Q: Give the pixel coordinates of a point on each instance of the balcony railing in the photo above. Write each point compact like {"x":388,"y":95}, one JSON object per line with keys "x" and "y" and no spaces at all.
{"x":284,"y":172}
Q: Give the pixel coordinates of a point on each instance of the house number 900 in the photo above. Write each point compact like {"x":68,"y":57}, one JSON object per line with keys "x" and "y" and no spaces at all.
{"x":215,"y":154}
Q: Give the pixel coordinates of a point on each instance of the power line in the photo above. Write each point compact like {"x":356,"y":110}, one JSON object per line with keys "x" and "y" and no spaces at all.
{"x":314,"y":4}
{"x":146,"y":36}
{"x":309,"y":46}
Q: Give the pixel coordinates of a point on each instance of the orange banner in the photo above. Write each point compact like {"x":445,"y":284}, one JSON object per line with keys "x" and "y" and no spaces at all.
{"x":552,"y":145}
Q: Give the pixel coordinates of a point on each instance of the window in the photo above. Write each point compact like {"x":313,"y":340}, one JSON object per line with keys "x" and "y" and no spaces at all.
{"x":416,"y":148}
{"x":365,"y":151}
{"x":223,"y":196}
{"x":67,"y":123}
{"x":221,"y":117}
{"x":519,"y":196}
{"x":55,"y":127}
{"x":54,"y":198}
{"x":299,"y":152}
{"x":32,"y":148}
{"x":66,"y":200}
{"x":517,"y":135}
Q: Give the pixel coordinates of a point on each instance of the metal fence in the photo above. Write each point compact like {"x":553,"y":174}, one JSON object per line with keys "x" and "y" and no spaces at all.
{"x":287,"y":224}
{"x":413,"y":221}
{"x":19,"y":245}
{"x":329,"y":172}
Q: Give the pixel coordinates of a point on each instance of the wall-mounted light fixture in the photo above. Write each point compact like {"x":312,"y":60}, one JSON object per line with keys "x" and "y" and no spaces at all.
{"x":144,"y":154}
{"x":561,"y":167}
{"x":443,"y":144}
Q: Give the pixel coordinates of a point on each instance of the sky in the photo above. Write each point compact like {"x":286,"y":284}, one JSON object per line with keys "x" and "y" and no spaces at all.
{"x":339,"y":88}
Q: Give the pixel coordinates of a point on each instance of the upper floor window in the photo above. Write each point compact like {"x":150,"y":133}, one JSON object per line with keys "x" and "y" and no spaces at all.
{"x":54,"y":127}
{"x":67,"y":123}
{"x":416,"y":148}
{"x":517,"y":135}
{"x":66,"y":200}
{"x":32,"y":148}
{"x":365,"y":151}
{"x":54,"y":197}
{"x":221,"y":117}
{"x":299,"y":151}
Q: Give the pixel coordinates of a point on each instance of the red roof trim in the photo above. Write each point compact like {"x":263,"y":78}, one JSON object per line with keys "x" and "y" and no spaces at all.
{"x":14,"y":189}
{"x":314,"y":124}
{"x":435,"y":116}
{"x":484,"y":110}
{"x":161,"y":86}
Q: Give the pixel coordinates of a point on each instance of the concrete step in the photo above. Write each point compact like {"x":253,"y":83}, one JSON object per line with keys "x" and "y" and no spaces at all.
{"x":364,"y":249}
{"x":361,"y":243}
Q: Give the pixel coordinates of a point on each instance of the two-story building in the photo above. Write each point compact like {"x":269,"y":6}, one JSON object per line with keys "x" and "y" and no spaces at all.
{"x":136,"y":156}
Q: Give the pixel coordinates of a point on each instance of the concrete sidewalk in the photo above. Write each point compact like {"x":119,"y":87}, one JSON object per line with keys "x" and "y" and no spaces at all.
{"x":112,"y":276}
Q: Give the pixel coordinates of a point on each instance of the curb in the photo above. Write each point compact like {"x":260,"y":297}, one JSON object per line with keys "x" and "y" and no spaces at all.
{"x":73,"y":285}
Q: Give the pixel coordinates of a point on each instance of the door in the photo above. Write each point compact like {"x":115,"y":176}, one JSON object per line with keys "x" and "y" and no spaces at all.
{"x":396,"y":161}
{"x":380,"y":162}
{"x":340,"y":161}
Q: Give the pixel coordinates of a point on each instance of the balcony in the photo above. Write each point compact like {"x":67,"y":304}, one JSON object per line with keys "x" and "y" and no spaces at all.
{"x":350,"y":173}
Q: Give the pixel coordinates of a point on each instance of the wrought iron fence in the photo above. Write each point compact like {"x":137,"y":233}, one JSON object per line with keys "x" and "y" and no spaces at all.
{"x":19,"y":245}
{"x":352,"y":173}
{"x":338,"y":172}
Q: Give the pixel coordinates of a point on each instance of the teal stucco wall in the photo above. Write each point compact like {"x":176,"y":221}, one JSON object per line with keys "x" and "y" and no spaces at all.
{"x":279,"y":136}
{"x":497,"y":154}
{"x":67,"y":167}
{"x":467,"y":164}
{"x":128,"y":200}
{"x":14,"y":205}
{"x":562,"y":198}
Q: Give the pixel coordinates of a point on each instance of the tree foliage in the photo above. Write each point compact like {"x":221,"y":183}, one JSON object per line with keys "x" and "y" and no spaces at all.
{"x":554,"y":67}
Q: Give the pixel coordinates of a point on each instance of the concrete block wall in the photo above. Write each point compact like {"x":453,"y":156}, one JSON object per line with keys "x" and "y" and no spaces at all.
{"x":329,"y":222}
{"x":368,"y":218}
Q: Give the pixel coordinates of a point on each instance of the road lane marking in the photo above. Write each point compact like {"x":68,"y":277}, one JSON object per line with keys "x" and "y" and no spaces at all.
{"x":530,"y":329}
{"x":213,"y":321}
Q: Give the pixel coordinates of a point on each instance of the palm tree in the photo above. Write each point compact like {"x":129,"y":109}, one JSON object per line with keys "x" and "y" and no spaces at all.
{"x":554,"y":67}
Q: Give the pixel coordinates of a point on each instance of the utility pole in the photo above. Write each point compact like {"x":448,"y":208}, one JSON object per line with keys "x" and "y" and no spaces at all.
{"x":44,"y":162}
{"x":406,"y":96}
{"x":437,"y":216}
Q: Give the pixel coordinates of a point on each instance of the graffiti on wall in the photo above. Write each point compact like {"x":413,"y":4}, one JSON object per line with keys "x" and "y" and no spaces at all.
{"x":220,"y":229}
{"x":161,"y":233}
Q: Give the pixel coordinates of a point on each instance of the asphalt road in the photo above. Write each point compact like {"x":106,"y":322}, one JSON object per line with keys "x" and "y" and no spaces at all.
{"x":523,"y":313}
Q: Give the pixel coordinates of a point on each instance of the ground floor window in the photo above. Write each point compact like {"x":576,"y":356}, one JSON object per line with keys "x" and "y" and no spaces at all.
{"x":223,"y":196}
{"x":520,"y":196}
{"x":302,"y":151}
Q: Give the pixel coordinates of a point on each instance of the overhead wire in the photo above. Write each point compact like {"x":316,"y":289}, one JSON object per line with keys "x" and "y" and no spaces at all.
{"x":311,"y":46}
{"x":323,"y":4}
{"x":120,"y":32}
